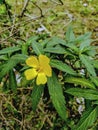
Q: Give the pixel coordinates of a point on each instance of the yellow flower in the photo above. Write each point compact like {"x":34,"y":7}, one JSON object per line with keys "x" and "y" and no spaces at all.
{"x":40,"y":69}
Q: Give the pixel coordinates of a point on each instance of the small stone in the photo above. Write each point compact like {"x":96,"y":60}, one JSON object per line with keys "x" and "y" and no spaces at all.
{"x":80,"y":109}
{"x":85,"y":4}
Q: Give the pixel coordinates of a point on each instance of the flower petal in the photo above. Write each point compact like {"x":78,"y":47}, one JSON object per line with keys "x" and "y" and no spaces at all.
{"x":32,"y":62}
{"x":41,"y":79}
{"x":47,"y":70}
{"x":43,"y":59}
{"x":30,"y":74}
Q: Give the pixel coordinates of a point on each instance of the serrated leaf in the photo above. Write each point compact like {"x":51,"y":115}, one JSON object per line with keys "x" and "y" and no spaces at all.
{"x":62,"y":66}
{"x":83,"y":37}
{"x":12,"y":81}
{"x":92,"y":52}
{"x":9,"y":50}
{"x":1,"y":66}
{"x":88,"y":64}
{"x":31,"y":40}
{"x":19,"y":57}
{"x":57,"y":50}
{"x":11,"y":63}
{"x":69,"y":34}
{"x":95,"y":63}
{"x":89,"y":50}
{"x":85,"y":43}
{"x":73,"y":48}
{"x":95,"y":102}
{"x":56,"y":41}
{"x":3,"y":57}
{"x":38,"y":49}
{"x":80,"y":81}
{"x":90,"y":94}
{"x":87,"y":120}
{"x":56,"y":94}
{"x":36,"y":95}
{"x":94,"y":80}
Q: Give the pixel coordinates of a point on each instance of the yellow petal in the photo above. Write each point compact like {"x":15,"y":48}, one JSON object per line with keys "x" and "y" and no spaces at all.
{"x":32,"y":62}
{"x":41,"y":79}
{"x":30,"y":74}
{"x":47,"y":70}
{"x":43,"y":59}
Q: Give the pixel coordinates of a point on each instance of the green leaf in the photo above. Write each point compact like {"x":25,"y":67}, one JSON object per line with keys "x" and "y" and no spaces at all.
{"x":19,"y":58}
{"x":88,"y":64}
{"x":80,"y":81}
{"x":1,"y":66}
{"x":37,"y":47}
{"x":95,"y":102}
{"x":31,"y":40}
{"x":75,"y":50}
{"x":11,"y":63}
{"x":83,"y":37}
{"x":85,"y":43}
{"x":94,"y":80}
{"x":1,"y":1}
{"x":24,"y":49}
{"x":90,"y":94}
{"x":69,"y":34}
{"x":12,"y":81}
{"x":36,"y":95}
{"x":87,"y":120}
{"x":56,"y":41}
{"x":56,"y":94}
{"x":62,"y":66}
{"x":9,"y":50}
{"x":95,"y":63}
{"x":3,"y":57}
{"x":58,"y":50}
{"x":89,"y":50}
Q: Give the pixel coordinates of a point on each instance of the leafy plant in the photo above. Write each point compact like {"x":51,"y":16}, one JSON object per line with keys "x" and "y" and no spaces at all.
{"x":74,"y":74}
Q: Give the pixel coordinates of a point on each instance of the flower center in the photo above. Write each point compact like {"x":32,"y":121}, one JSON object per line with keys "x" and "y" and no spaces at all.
{"x":40,"y":69}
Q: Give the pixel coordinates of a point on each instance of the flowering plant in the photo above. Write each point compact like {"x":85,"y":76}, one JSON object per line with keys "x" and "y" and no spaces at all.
{"x":58,"y":70}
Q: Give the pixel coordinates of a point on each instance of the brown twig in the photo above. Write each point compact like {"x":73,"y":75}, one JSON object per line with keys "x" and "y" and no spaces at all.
{"x":24,"y":8}
{"x":22,"y":113}
{"x":1,"y":42}
{"x":7,"y":9}
{"x":41,"y":12}
{"x":17,"y":24}
{"x":61,"y":2}
{"x":3,"y":117}
{"x":46,"y":118}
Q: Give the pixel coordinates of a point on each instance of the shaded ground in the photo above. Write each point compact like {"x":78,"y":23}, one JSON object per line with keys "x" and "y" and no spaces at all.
{"x":50,"y":15}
